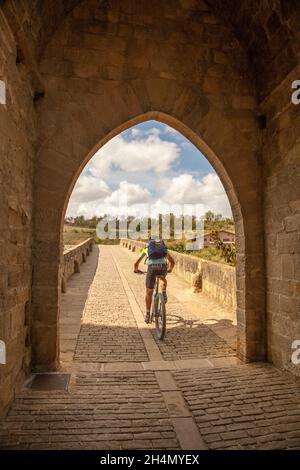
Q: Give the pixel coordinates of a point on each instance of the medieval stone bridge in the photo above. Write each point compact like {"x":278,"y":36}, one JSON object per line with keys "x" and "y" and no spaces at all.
{"x":126,"y":390}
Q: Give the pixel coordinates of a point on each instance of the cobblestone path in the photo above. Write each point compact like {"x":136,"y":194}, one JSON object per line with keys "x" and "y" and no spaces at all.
{"x":244,"y":407}
{"x":109,"y":332}
{"x":188,"y":337}
{"x":129,"y":391}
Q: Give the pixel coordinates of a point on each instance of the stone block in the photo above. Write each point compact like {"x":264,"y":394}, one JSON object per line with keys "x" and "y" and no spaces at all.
{"x":45,"y":347}
{"x":288,"y":243}
{"x":288,"y":266}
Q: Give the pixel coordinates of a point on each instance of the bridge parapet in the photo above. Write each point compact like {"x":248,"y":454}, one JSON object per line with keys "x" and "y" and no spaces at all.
{"x":74,"y":256}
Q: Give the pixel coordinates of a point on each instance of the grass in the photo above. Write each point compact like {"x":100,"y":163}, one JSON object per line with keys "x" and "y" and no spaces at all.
{"x":74,"y":235}
{"x":211,"y":253}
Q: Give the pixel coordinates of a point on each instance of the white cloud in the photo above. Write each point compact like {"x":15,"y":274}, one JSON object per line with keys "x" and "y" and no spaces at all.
{"x":153,"y":131}
{"x":146,"y":153}
{"x":209,"y":191}
{"x":186,"y":145}
{"x":88,"y":196}
{"x":135,"y":132}
{"x":128,"y":194}
{"x":137,"y":168}
{"x":89,"y":189}
{"x":170,"y":130}
{"x":88,"y":209}
{"x":93,"y":197}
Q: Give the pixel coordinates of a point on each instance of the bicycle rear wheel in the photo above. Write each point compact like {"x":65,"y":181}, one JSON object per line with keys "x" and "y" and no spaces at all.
{"x":160,"y":317}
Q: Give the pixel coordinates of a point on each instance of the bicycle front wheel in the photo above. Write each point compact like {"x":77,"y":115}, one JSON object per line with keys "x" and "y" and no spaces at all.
{"x":160,"y":317}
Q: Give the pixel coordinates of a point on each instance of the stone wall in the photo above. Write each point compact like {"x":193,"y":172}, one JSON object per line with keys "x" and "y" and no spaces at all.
{"x":17,"y":137}
{"x":282,"y":221}
{"x":74,"y":256}
{"x":219,"y":282}
{"x":214,"y":279}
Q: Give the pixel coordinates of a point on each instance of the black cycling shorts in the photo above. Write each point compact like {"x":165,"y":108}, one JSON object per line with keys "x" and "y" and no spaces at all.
{"x":155,"y":270}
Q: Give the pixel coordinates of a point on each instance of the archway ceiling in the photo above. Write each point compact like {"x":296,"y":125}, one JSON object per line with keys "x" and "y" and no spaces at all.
{"x":268,"y":30}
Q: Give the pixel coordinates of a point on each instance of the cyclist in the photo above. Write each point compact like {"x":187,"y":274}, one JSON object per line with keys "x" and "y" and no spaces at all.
{"x":157,"y":260}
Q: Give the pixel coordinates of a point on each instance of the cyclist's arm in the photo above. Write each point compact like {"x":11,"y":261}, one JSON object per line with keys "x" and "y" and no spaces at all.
{"x":136,"y":264}
{"x":171,"y":262}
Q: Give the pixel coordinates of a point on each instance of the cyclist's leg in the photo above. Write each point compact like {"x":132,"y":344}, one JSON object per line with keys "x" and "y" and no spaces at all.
{"x":150,"y":282}
{"x":148,"y":299}
{"x":164,"y":283}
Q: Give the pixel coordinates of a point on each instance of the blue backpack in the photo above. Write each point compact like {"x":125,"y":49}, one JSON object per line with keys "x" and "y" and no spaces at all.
{"x":157,"y":249}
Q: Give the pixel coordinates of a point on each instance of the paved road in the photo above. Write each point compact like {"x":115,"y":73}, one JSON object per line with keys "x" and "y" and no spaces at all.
{"x":129,"y":391}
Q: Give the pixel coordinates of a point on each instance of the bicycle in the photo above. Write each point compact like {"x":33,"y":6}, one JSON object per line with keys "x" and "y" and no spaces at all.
{"x":158,"y":310}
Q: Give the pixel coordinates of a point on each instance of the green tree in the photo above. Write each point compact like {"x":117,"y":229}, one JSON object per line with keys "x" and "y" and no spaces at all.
{"x":93,"y":221}
{"x":79,"y":221}
{"x":209,"y":216}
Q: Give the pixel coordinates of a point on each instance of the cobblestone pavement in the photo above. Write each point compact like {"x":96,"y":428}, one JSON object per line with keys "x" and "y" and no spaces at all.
{"x":109,"y":332}
{"x":187,"y":336}
{"x":72,"y":305}
{"x":245,"y":407}
{"x":129,"y":391}
{"x":101,"y":411}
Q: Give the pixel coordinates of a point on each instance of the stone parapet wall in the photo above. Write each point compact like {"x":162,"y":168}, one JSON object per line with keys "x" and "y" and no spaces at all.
{"x":219,"y":282}
{"x":74,"y":256}
{"x":214,"y":279}
{"x":189,"y":268}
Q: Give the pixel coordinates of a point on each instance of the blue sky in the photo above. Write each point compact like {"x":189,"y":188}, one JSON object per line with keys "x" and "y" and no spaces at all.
{"x":150,"y":164}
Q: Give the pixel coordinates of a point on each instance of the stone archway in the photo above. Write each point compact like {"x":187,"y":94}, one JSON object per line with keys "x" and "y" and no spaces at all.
{"x":246,"y":331}
{"x":91,"y":97}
